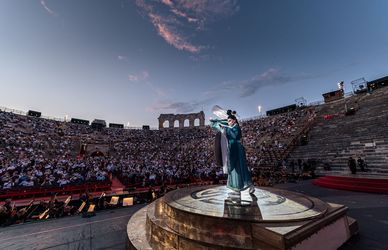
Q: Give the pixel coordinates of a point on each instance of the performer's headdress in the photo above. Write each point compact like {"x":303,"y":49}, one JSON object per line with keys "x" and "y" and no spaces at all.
{"x":231,"y":114}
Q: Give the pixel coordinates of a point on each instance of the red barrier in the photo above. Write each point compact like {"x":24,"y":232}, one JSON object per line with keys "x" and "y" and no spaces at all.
{"x":47,"y":191}
{"x":354,"y":184}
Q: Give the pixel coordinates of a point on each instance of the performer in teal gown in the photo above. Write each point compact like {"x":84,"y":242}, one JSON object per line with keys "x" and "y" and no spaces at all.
{"x":239,"y":176}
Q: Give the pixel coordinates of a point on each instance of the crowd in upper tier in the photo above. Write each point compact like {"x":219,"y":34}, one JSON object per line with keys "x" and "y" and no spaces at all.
{"x":39,"y":152}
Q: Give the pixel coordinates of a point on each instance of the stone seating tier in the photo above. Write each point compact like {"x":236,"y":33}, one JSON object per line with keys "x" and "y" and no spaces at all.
{"x":364,"y":134}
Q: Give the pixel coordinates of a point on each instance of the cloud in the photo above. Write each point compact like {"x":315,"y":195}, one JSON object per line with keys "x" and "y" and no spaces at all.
{"x":276,"y":77}
{"x":182,"y":14}
{"x":50,"y":11}
{"x":171,"y":36}
{"x":122,"y":58}
{"x":142,"y":76}
{"x":177,"y":22}
{"x":178,"y":107}
{"x":270,"y":77}
{"x":168,"y":2}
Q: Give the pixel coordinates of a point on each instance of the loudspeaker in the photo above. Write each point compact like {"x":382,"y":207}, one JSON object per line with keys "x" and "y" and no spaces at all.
{"x":34,"y":113}
{"x":79,"y":121}
{"x":116,"y":125}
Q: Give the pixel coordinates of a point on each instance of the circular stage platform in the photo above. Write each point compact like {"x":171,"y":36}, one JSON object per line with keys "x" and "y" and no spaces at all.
{"x":263,"y":206}
{"x":208,"y":217}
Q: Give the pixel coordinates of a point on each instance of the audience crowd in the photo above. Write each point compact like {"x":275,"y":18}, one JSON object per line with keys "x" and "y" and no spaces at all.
{"x":37,"y":152}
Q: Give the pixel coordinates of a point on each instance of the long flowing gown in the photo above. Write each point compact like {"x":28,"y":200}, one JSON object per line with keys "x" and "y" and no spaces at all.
{"x":239,"y":176}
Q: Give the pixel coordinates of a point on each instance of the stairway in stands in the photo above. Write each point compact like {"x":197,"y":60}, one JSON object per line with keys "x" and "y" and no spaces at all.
{"x":363,"y":134}
{"x":117,"y":186}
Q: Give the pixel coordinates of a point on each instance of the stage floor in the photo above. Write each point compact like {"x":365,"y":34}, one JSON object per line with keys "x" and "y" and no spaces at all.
{"x":106,"y":230}
{"x":265,"y":205}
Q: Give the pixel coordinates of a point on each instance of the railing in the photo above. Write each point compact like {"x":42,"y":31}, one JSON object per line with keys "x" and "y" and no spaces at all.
{"x":19,"y":112}
{"x":139,"y":128}
{"x":53,"y":118}
{"x":14,"y":111}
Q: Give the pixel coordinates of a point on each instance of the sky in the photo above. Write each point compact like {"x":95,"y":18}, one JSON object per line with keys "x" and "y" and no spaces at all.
{"x":128,"y":61}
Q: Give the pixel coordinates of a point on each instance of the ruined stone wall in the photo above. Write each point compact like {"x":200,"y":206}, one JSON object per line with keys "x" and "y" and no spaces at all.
{"x":181,"y":118}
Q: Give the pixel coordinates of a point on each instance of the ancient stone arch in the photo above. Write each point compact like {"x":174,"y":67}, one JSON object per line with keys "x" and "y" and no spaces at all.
{"x":171,"y":118}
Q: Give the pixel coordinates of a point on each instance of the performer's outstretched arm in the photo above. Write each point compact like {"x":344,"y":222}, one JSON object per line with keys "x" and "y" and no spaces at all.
{"x":218,"y":124}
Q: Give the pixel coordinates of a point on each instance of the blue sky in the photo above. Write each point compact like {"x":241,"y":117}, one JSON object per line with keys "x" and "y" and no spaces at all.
{"x":128,"y":61}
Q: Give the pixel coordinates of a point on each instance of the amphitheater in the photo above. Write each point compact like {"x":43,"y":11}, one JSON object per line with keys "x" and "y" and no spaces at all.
{"x":41,"y":157}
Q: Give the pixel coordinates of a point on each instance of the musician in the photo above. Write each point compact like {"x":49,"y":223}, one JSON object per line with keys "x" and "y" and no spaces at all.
{"x":3,"y":215}
{"x":102,"y":203}
{"x":8,"y":205}
{"x":85,"y":197}
{"x":9,"y":213}
{"x":58,"y":208}
{"x":51,"y":207}
{"x":39,"y":209}
{"x":22,"y":213}
{"x":150,"y":195}
{"x":162,"y":190}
